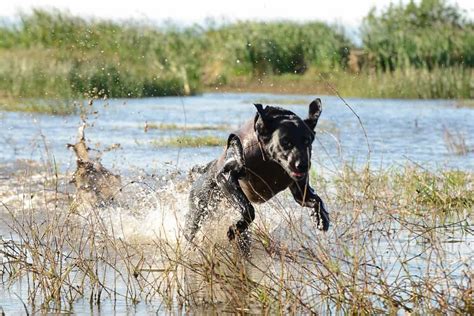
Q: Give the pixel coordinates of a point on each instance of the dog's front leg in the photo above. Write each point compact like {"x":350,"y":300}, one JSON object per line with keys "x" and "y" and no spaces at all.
{"x":227,"y":179}
{"x":304,"y":194}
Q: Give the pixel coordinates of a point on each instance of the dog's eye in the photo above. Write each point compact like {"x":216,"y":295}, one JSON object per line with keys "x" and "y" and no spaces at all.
{"x":306,"y":141}
{"x":286,"y":143}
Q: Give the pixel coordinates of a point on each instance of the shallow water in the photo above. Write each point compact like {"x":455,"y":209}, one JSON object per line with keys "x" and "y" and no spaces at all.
{"x":399,"y":132}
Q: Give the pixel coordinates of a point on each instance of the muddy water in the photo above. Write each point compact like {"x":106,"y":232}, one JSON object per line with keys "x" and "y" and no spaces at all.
{"x":399,"y":132}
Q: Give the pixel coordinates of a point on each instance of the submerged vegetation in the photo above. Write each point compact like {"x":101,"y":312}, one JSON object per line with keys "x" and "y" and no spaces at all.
{"x":190,"y":141}
{"x":456,"y":142}
{"x":50,"y":54}
{"x":397,"y":244}
{"x":52,"y":107}
{"x":173,"y":126}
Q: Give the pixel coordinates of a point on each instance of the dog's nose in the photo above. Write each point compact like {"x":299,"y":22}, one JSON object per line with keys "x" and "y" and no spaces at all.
{"x":301,"y":166}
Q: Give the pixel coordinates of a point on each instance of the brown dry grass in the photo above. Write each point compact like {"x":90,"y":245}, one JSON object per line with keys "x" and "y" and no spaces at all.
{"x":391,"y":249}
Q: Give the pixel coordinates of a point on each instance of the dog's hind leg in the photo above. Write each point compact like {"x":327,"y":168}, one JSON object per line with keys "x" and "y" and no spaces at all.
{"x":203,"y":199}
{"x":227,"y":179}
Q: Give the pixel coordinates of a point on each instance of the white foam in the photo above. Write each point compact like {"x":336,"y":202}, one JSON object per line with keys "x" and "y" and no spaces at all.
{"x":155,"y":209}
{"x":145,"y":211}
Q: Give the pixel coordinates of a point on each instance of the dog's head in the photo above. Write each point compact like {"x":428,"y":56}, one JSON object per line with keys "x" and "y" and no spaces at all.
{"x":286,"y":138}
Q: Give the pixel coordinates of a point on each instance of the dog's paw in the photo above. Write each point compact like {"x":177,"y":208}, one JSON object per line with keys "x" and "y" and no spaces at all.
{"x":231,"y":233}
{"x":321,"y":217}
{"x":243,"y":240}
{"x":324,"y":221}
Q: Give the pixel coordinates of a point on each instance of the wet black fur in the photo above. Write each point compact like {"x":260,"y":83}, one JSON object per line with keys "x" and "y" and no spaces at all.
{"x":285,"y":141}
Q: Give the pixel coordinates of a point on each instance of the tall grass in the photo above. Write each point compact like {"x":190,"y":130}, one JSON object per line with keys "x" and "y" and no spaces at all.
{"x":279,"y":47}
{"x":137,"y":60}
{"x":454,"y":82}
{"x":430,"y":34}
{"x":422,"y":51}
{"x":55,"y":54}
{"x":390,"y":250}
{"x":438,"y":83}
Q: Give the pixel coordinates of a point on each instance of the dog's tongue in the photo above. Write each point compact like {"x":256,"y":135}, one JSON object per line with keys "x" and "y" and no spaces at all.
{"x":297,"y":174}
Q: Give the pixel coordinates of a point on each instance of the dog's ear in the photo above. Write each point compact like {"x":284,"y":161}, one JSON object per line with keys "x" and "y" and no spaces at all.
{"x":315,"y":109}
{"x":262,"y":123}
{"x":260,"y":109}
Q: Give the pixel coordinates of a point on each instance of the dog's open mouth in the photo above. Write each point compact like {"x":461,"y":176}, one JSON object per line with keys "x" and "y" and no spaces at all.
{"x":297,"y":175}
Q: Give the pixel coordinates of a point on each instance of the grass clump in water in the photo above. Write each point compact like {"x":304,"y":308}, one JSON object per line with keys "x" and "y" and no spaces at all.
{"x":190,"y":141}
{"x":410,"y":83}
{"x":410,"y":191}
{"x":52,"y":107}
{"x":377,"y":258}
{"x":172,"y":126}
{"x":446,"y":192}
{"x":456,"y":142}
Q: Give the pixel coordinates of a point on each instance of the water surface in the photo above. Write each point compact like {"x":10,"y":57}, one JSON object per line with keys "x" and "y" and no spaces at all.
{"x":398,"y":130}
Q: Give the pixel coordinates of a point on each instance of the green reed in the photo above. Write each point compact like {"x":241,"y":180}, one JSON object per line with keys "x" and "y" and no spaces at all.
{"x":408,"y":51}
{"x":424,"y":35}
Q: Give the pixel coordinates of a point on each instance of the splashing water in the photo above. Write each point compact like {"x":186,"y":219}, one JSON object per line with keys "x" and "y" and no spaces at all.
{"x":154,"y":208}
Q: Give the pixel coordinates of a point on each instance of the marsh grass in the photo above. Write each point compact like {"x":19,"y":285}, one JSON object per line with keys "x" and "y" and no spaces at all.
{"x":189,"y":141}
{"x":416,"y":192}
{"x":52,"y":54}
{"x":425,"y":34}
{"x":47,"y":107}
{"x":391,"y":249}
{"x":469,"y":103}
{"x":49,"y":53}
{"x":452,"y":82}
{"x":172,"y":126}
{"x":456,"y":142}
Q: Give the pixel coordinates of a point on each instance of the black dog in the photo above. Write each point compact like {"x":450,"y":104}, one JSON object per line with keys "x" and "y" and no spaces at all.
{"x":265,"y":156}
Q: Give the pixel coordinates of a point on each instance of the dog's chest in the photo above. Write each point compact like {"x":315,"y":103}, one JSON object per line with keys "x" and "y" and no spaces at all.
{"x":263,"y":180}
